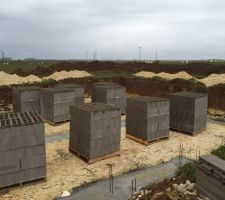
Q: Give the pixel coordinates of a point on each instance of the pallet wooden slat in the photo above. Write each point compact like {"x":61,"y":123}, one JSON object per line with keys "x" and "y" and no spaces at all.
{"x":186,"y":132}
{"x":145,"y":142}
{"x":31,"y":181}
{"x":55,"y":123}
{"x":93,"y":160}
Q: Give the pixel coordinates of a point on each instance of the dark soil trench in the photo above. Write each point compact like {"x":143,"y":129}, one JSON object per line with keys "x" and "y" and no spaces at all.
{"x":141,"y":86}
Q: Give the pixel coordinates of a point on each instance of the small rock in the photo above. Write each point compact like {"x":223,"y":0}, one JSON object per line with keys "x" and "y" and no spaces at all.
{"x":175,"y":186}
{"x":170,"y":197}
{"x":136,"y":193}
{"x":157,"y":195}
{"x":188,"y":182}
{"x":190,"y":194}
{"x":181,"y":188}
{"x":65,"y":194}
{"x":168,"y":189}
{"x":148,"y":191}
{"x":190,"y":187}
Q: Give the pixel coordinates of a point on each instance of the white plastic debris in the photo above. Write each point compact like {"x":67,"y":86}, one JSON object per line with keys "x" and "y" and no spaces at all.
{"x":65,"y":194}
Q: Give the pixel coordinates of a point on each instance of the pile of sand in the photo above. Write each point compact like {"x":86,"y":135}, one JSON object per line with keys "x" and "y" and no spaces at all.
{"x":213,"y":79}
{"x":146,"y":74}
{"x":68,"y":74}
{"x":181,"y":75}
{"x":13,"y":79}
{"x":10,"y":79}
{"x":168,"y":76}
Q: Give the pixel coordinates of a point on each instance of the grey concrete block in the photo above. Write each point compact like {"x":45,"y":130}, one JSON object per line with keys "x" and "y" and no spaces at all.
{"x":12,"y":154}
{"x":19,"y":142}
{"x":26,"y":98}
{"x":94,"y":129}
{"x":9,"y":179}
{"x":55,"y":102}
{"x":147,"y":117}
{"x":33,"y":151}
{"x":8,"y":167}
{"x":210,"y":177}
{"x":33,"y":162}
{"x":22,"y":147}
{"x":188,"y":111}
{"x":110,"y":93}
{"x":33,"y":173}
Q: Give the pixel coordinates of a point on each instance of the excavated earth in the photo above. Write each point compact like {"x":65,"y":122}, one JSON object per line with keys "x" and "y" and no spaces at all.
{"x":140,"y":86}
{"x":204,"y":69}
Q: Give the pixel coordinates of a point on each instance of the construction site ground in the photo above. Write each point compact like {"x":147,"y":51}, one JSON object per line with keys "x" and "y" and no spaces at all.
{"x":100,"y":190}
{"x":66,"y":171}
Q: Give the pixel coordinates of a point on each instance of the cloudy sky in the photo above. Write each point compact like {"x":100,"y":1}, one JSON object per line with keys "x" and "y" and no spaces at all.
{"x":66,"y":29}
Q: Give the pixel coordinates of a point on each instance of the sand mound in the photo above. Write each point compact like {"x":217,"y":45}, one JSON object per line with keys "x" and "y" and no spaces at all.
{"x":13,"y":79}
{"x":68,"y":74}
{"x":10,"y":79}
{"x":168,"y":76}
{"x":213,"y":79}
{"x":146,"y":74}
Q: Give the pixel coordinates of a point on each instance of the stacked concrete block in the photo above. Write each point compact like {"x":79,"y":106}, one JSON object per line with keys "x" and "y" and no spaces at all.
{"x":55,"y":102}
{"x":65,"y":85}
{"x":22,"y":148}
{"x":188,"y":111}
{"x":26,"y":98}
{"x":210,"y":177}
{"x":147,"y":118}
{"x":110,"y":93}
{"x":94,"y":130}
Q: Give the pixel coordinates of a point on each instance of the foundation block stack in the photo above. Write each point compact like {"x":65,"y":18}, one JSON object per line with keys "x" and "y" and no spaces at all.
{"x":26,"y":98}
{"x":95,"y":131}
{"x":55,"y":102}
{"x":210,"y":177}
{"x":110,"y":93}
{"x":188,"y":112}
{"x":147,"y":119}
{"x":22,"y":148}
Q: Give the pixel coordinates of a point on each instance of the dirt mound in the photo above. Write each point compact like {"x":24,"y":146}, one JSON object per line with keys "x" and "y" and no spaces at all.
{"x":14,"y":79}
{"x":200,"y":68}
{"x":181,"y":75}
{"x":68,"y":74}
{"x":164,"y":75}
{"x":10,"y":79}
{"x":213,"y":79}
{"x":146,"y":74}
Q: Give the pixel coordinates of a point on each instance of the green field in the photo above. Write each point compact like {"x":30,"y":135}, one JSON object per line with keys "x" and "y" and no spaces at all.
{"x":24,"y":65}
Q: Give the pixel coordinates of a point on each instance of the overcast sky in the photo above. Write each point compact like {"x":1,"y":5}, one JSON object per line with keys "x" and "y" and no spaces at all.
{"x":66,"y":29}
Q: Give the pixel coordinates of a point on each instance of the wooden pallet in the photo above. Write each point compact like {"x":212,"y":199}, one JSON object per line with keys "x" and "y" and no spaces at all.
{"x":186,"y":132}
{"x":146,"y":142}
{"x":6,"y":189}
{"x":93,"y":160}
{"x":55,"y":123}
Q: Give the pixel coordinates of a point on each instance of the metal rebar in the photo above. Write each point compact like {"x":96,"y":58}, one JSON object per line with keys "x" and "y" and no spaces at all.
{"x":135,"y":185}
{"x":132,"y":185}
